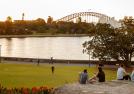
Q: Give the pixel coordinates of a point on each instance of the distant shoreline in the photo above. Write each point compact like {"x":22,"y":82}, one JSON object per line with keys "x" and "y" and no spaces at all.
{"x":47,"y":35}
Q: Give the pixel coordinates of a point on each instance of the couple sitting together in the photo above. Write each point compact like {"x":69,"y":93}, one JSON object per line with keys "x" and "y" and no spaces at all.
{"x":100,"y":76}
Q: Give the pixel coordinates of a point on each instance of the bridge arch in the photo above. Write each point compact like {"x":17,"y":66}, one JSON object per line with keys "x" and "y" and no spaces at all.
{"x":102,"y":18}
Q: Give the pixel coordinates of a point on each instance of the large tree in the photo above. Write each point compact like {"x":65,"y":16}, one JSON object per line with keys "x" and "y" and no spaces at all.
{"x":116,"y":44}
{"x":100,"y":41}
{"x":128,"y":38}
{"x":8,"y":25}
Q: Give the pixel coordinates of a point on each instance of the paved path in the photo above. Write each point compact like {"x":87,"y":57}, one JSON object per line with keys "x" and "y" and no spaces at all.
{"x":112,"y":87}
{"x":24,"y":62}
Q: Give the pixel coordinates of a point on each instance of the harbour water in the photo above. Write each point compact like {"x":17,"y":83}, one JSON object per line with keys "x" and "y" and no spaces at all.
{"x":44,"y":47}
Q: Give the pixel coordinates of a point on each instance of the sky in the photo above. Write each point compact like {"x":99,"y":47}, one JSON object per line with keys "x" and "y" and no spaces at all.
{"x":34,"y":9}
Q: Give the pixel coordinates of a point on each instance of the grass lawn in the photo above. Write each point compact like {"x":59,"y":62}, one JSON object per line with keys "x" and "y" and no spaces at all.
{"x":29,"y":74}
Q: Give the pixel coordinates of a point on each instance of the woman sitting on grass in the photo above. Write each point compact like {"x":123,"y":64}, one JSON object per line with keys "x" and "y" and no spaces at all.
{"x":100,"y":76}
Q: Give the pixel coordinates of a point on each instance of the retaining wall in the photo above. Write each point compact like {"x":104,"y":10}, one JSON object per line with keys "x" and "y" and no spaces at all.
{"x":40,"y":60}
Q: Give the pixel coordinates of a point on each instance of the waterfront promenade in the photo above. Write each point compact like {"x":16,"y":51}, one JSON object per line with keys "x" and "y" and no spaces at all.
{"x":44,"y":35}
{"x":62,"y":61}
{"x":110,"y":87}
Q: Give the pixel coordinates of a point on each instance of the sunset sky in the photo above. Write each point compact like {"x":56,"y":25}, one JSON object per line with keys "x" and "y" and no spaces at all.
{"x":34,"y":9}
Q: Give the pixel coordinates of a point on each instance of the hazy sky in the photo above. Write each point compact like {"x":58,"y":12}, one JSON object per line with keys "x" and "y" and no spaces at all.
{"x":34,"y":9}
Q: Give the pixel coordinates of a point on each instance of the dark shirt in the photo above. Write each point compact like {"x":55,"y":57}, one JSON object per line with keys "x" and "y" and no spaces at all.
{"x":52,"y":68}
{"x":101,"y":76}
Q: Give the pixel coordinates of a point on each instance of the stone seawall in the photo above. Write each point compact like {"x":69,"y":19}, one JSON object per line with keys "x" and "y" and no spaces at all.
{"x":42,"y":60}
{"x":44,"y":35}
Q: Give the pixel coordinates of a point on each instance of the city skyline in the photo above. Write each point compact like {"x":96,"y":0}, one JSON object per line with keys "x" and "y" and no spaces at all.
{"x":34,"y":9}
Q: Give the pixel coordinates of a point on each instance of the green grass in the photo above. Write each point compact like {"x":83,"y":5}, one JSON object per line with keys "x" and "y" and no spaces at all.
{"x":29,"y":75}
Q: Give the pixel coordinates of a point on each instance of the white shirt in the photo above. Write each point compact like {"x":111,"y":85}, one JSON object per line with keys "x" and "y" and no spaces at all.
{"x":120,"y":73}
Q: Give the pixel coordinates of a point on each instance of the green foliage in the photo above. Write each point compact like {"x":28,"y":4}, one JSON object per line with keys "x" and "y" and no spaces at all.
{"x":110,"y":43}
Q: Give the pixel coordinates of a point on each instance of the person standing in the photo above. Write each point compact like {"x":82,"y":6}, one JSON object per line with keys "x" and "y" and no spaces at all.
{"x":38,"y":62}
{"x":53,"y":69}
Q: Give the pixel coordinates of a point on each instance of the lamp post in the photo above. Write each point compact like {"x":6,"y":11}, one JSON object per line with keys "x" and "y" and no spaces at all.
{"x":89,"y":58}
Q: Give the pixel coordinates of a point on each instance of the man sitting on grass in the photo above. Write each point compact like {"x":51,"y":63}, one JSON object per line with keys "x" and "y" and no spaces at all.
{"x":122,"y":74}
{"x":83,"y":77}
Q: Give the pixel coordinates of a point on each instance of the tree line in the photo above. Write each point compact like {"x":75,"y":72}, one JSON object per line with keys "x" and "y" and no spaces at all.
{"x":40,"y":26}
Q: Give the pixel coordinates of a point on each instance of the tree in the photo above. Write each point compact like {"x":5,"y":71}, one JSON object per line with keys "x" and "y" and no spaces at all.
{"x":116,"y":44}
{"x":40,"y":21}
{"x":8,"y":25}
{"x":2,"y":28}
{"x":128,"y":30}
{"x":9,"y":19}
{"x":79,"y":20}
{"x":100,"y":42}
{"x":49,"y":20}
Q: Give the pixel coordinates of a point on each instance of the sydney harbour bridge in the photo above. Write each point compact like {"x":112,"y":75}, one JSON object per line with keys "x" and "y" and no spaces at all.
{"x":91,"y":17}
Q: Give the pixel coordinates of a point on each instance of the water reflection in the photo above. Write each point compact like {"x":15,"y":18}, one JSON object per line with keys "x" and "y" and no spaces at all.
{"x":44,"y":47}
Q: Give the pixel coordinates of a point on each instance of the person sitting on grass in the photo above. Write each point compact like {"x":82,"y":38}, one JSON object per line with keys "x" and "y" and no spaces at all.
{"x":83,"y":77}
{"x":100,"y":76}
{"x":122,"y":74}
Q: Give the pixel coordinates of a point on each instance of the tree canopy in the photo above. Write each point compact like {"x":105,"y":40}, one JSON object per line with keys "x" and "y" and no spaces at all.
{"x":112,"y":43}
